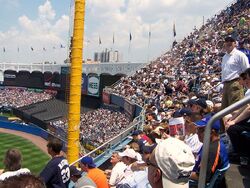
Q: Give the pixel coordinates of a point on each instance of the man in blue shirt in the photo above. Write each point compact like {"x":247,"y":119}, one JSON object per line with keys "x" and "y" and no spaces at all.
{"x":218,"y":156}
{"x":243,"y":49}
{"x":56,"y":174}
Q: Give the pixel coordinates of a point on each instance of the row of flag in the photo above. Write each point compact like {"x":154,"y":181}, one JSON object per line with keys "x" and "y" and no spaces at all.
{"x":100,"y":41}
{"x":130,"y":35}
{"x":32,"y":49}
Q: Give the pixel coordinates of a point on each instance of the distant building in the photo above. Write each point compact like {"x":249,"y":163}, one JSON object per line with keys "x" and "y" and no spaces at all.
{"x":108,"y":56}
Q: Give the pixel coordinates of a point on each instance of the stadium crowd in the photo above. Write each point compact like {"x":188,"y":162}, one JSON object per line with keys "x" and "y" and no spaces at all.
{"x":98,"y":126}
{"x":19,"y":97}
{"x":180,"y":92}
{"x":192,"y":69}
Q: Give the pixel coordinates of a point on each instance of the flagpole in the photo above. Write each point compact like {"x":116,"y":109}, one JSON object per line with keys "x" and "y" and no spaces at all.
{"x":129,"y":46}
{"x":149,"y":37}
{"x":113,"y":46}
{"x":4,"y":51}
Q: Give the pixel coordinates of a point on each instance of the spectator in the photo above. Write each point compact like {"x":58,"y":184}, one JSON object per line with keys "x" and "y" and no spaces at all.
{"x":242,"y":48}
{"x":198,"y":106}
{"x":218,"y":157}
{"x":22,"y":181}
{"x":165,"y":165}
{"x":135,"y":175}
{"x":117,"y":171}
{"x":13,"y":164}
{"x":56,"y":173}
{"x":237,"y":124}
{"x":80,"y":180}
{"x":234,"y":62}
{"x":140,"y":138}
{"x":95,"y":174}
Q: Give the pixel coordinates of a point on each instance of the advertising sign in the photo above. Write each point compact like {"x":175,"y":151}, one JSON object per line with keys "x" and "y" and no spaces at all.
{"x":93,"y":85}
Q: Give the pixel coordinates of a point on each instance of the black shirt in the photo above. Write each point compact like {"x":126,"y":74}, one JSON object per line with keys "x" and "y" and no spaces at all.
{"x":56,"y":174}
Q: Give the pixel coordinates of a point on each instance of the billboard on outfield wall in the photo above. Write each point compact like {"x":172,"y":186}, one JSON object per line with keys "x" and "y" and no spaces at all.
{"x":10,"y":77}
{"x":52,"y":80}
{"x":93,"y":85}
{"x":129,"y":109}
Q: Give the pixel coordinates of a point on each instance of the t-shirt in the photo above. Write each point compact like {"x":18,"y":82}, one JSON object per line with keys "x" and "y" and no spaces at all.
{"x":117,"y":173}
{"x":8,"y":174}
{"x":193,"y":142}
{"x":85,"y":182}
{"x":56,"y":174}
{"x":138,"y":179}
{"x":213,"y":163}
{"x":98,"y":177}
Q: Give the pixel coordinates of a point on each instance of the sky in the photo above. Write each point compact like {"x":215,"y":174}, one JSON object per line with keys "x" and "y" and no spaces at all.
{"x":46,"y":25}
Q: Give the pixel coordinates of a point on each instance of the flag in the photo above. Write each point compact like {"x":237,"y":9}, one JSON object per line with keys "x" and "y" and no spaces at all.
{"x":100,"y":42}
{"x":17,"y":49}
{"x":32,"y":49}
{"x":113,"y":38}
{"x":3,"y":49}
{"x":174,"y":31}
{"x":62,"y":46}
{"x":44,"y":49}
{"x":149,"y":34}
{"x":130,"y":36}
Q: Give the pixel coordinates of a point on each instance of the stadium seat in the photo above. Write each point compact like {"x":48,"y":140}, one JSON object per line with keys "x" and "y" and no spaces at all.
{"x":215,"y":180}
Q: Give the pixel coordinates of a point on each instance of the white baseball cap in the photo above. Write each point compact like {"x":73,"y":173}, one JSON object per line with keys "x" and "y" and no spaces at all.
{"x":176,"y":161}
{"x":129,"y":153}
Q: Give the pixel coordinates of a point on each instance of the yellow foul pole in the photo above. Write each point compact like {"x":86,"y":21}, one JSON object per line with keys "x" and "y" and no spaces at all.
{"x":75,"y":82}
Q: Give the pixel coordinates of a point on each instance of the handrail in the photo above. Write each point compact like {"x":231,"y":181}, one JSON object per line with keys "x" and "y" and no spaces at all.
{"x":206,"y":141}
{"x":107,"y":142}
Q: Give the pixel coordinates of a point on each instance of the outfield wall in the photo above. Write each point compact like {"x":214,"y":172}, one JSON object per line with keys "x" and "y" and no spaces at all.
{"x":30,"y":129}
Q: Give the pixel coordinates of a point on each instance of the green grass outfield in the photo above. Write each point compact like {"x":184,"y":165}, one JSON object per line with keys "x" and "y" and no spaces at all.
{"x":33,"y":158}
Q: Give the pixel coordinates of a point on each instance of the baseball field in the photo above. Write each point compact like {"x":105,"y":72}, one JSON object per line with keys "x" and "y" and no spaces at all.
{"x":33,"y":158}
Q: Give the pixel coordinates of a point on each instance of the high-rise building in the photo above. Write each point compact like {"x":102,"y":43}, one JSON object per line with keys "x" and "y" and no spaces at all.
{"x":108,"y":56}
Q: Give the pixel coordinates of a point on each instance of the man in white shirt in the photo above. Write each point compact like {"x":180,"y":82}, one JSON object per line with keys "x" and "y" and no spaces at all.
{"x":234,"y":62}
{"x":118,"y":169}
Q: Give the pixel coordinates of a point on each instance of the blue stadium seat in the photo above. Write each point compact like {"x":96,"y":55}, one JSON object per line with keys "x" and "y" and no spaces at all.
{"x":215,"y":180}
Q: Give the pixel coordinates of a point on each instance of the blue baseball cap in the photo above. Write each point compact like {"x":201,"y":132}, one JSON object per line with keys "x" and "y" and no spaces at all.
{"x":183,"y":112}
{"x":201,"y":102}
{"x":88,"y":161}
{"x":137,"y":132}
{"x":203,"y":123}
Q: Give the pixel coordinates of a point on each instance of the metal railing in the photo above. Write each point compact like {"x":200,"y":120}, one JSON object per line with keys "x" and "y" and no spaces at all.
{"x":206,"y":141}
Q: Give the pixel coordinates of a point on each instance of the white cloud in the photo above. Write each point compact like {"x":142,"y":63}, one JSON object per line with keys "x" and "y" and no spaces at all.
{"x":123,"y":16}
{"x":43,"y":32}
{"x":46,"y":12}
{"x":118,"y":16}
